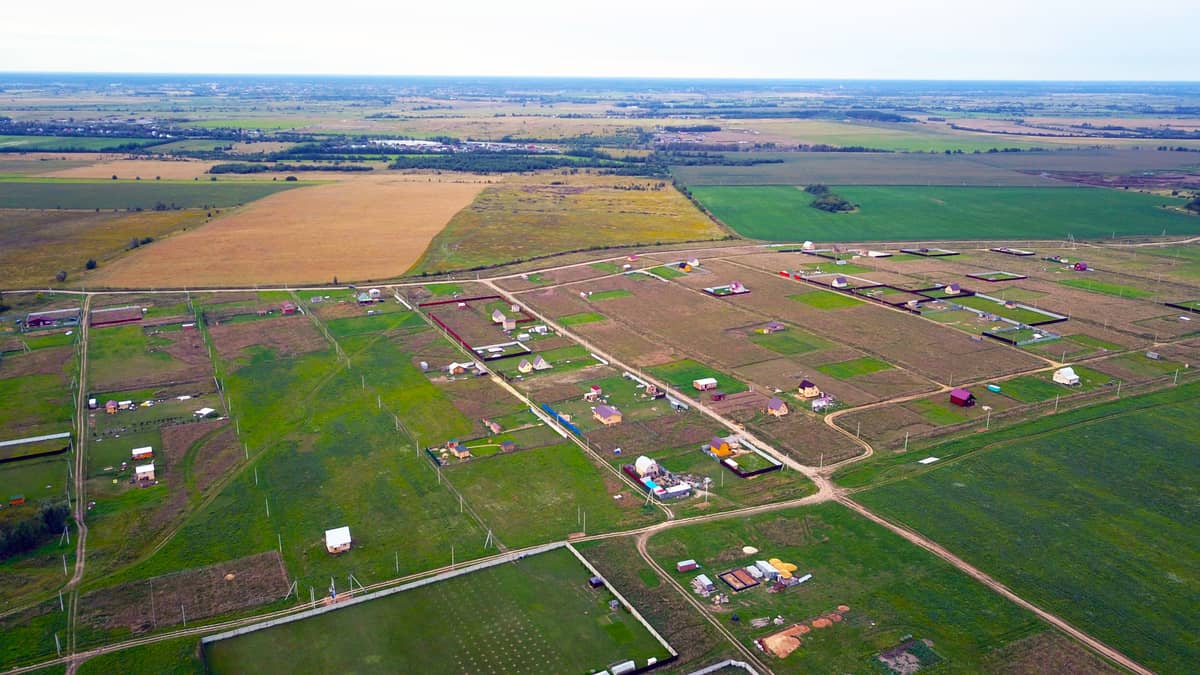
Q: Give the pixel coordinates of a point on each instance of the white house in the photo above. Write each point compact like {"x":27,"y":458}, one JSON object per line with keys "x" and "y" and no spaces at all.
{"x":144,"y":471}
{"x":1066,"y":376}
{"x":337,"y":540}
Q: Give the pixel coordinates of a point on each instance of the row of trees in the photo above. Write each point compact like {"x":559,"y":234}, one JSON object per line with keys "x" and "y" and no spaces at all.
{"x":827,"y":200}
{"x":25,"y":529}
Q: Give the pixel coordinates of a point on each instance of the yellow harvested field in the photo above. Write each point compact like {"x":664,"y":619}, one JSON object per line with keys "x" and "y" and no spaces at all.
{"x":371,"y":227}
{"x":125,"y":169}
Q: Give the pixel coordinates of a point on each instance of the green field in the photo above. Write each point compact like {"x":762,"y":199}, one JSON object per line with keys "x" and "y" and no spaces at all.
{"x":790,"y":341}
{"x":1093,"y":518}
{"x":608,"y":295}
{"x":1119,"y":290}
{"x":893,"y":590}
{"x":681,"y":374}
{"x":781,"y":213}
{"x":582,"y":317}
{"x":69,"y":143}
{"x":537,"y":615}
{"x":826,"y":300}
{"x":1040,"y":387}
{"x":668,"y":272}
{"x":845,"y":370}
{"x":127,"y":194}
{"x":1018,"y":313}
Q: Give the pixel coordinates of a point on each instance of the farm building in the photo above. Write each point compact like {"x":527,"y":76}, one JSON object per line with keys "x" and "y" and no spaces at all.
{"x":115,"y":316}
{"x":337,"y":540}
{"x":142,"y":453}
{"x":808,"y":390}
{"x":508,"y":324}
{"x":840,"y":282}
{"x":768,"y":570}
{"x":607,"y":415}
{"x":1066,"y":376}
{"x":52,"y":319}
{"x":962,"y":398}
{"x":1080,"y":267}
{"x":645,"y":467}
{"x":497,"y":316}
{"x":704,"y":584}
{"x":525,"y":367}
{"x":719,"y":447}
{"x":822,"y":403}
{"x":375,"y":293}
{"x":507,"y":446}
{"x":592,"y":395}
{"x":459,"y":368}
{"x":364,"y":299}
{"x":540,"y":363}
{"x":952,"y":289}
{"x":110,"y":407}
{"x":704,"y":384}
{"x":777,"y":407}
{"x":287,"y":307}
{"x":144,"y":472}
{"x":773,"y":327}
{"x":686,"y":565}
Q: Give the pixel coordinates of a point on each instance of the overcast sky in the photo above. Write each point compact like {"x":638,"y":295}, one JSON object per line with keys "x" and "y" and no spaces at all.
{"x":932,"y":39}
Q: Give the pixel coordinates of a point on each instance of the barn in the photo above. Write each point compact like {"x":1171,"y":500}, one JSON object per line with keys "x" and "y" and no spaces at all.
{"x":52,"y":318}
{"x":287,"y":307}
{"x":962,"y":398}
{"x":337,"y":540}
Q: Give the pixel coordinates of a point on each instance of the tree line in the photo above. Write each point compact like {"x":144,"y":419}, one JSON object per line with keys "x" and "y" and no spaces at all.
{"x":26,"y":529}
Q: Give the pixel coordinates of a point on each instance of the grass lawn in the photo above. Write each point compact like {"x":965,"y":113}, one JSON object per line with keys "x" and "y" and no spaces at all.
{"x":826,"y":300}
{"x":1118,"y":290}
{"x":668,"y":272}
{"x":1099,"y":501}
{"x":534,"y":496}
{"x":1040,"y":387}
{"x":790,"y":341}
{"x":530,"y":610}
{"x":443,"y":289}
{"x":606,"y":295}
{"x":34,"y":405}
{"x":1018,"y":313}
{"x":582,"y":317}
{"x":893,"y":590}
{"x":118,"y":353}
{"x":938,"y":413}
{"x":782,"y":213}
{"x":681,"y":374}
{"x":609,"y":267}
{"x":845,"y":370}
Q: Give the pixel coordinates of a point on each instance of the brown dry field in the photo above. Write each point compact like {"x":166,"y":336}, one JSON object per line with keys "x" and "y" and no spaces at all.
{"x":286,"y":335}
{"x":129,"y":168}
{"x":1047,"y":653}
{"x":372,"y":227}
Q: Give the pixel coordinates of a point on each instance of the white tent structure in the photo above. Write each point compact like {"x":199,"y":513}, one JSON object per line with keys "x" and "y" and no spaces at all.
{"x":1066,"y":376}
{"x":337,"y":540}
{"x":645,"y":466}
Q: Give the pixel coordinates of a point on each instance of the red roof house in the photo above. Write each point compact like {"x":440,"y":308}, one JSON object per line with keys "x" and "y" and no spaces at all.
{"x":962,"y":397}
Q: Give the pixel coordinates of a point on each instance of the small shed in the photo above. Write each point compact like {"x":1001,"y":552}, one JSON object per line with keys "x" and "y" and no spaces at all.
{"x":203,"y":412}
{"x":768,"y":570}
{"x":16,"y":500}
{"x":686,"y":565}
{"x":508,"y":324}
{"x":704,"y":583}
{"x":718,"y":396}
{"x":719,"y":447}
{"x":144,"y":472}
{"x":808,"y":390}
{"x":287,"y":307}
{"x":737,"y":287}
{"x":952,"y":289}
{"x":694,"y":262}
{"x":338,"y":540}
{"x":1066,"y":376}
{"x":1081,"y":267}
{"x":374,"y":293}
{"x":142,"y":453}
{"x":595,"y":582}
{"x":962,"y":398}
{"x":592,"y":395}
{"x":704,"y":383}
{"x":364,"y":299}
{"x":777,"y":407}
{"x":607,"y":415}
{"x":540,"y":363}
{"x":774,"y":327}
{"x":840,"y":282}
{"x":507,"y":446}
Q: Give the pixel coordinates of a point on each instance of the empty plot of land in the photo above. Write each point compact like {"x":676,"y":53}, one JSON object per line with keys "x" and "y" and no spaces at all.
{"x":147,"y":169}
{"x":366,"y":228}
{"x":868,"y":168}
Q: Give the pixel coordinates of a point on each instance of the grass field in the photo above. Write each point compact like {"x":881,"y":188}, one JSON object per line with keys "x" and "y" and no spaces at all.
{"x":905,"y":213}
{"x":64,"y":143}
{"x":1119,"y":290}
{"x":531,"y":611}
{"x":48,"y":193}
{"x":607,"y":295}
{"x":845,"y":370}
{"x":790,"y":341}
{"x":1018,"y":313}
{"x":893,"y":590}
{"x":1040,"y":387}
{"x":1074,"y":512}
{"x":581,"y":318}
{"x":539,"y":215}
{"x":826,"y":300}
{"x":147,"y":169}
{"x":667,"y":272}
{"x":311,"y":235}
{"x":680,"y":374}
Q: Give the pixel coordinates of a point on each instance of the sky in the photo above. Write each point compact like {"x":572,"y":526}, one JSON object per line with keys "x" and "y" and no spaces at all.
{"x":870,"y":39}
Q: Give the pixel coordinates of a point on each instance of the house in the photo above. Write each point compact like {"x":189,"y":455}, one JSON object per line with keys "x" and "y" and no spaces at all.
{"x":507,"y":446}
{"x":840,"y":282}
{"x":525,"y":367}
{"x":337,"y":540}
{"x":142,"y":453}
{"x":539,"y":329}
{"x":497,"y":316}
{"x":375,"y":294}
{"x":822,"y":403}
{"x":1080,"y":267}
{"x":1066,"y":376}
{"x":777,"y":407}
{"x":704,"y":384}
{"x":508,"y":324}
{"x":962,"y":398}
{"x":652,"y":391}
{"x":808,"y":246}
{"x":459,"y":450}
{"x":111,"y":407}
{"x":718,"y":396}
{"x":516,"y":309}
{"x":493,"y":427}
{"x":364,"y":299}
{"x":952,"y":289}
{"x":540,"y":363}
{"x":593,"y":395}
{"x":287,"y":307}
{"x":719,"y":447}
{"x":52,"y":318}
{"x":773,"y":327}
{"x":645,"y":467}
{"x":686,"y":565}
{"x":808,"y":390}
{"x":144,"y":472}
{"x":460,"y":368}
{"x":607,"y":415}
{"x":704,"y":584}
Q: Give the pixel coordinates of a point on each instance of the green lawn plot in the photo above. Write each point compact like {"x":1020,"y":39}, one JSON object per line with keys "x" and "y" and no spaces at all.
{"x":668,"y":272}
{"x":531,"y":610}
{"x":29,"y":633}
{"x":178,"y":657}
{"x":1119,"y":290}
{"x":790,"y":341}
{"x":782,"y":213}
{"x":441,"y":290}
{"x":681,"y":374}
{"x":608,"y":295}
{"x":893,"y":590}
{"x":609,"y":267}
{"x":581,"y":318}
{"x":939,"y":413}
{"x":1093,"y":503}
{"x":34,"y":404}
{"x":127,"y":194}
{"x":36,"y":479}
{"x":1193,"y":305}
{"x":826,"y":300}
{"x":35,"y":341}
{"x":118,"y":354}
{"x":1018,"y":313}
{"x":489,"y":446}
{"x":73,"y":143}
{"x":396,"y":319}
{"x":844,"y":370}
{"x":1143,"y":366}
{"x":563,"y":359}
{"x":997,"y":276}
{"x":1040,"y":387}
{"x":536,"y":496}
{"x":1073,"y":347}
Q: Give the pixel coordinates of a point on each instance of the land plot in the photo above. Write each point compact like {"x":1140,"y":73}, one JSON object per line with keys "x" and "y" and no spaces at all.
{"x":538,"y":216}
{"x":147,"y":169}
{"x":29,"y":633}
{"x":789,"y":342}
{"x":35,"y":388}
{"x":804,"y":437}
{"x":681,"y":374}
{"x":786,"y":375}
{"x":123,"y":358}
{"x":1041,"y":387}
{"x":478,"y":398}
{"x":535,"y":606}
{"x":1134,"y":367}
{"x":929,"y":213}
{"x":846,"y":370}
{"x":49,"y":193}
{"x":285,"y":336}
{"x":1065,"y":534}
{"x":1018,"y":313}
{"x":311,"y":235}
{"x":646,"y":436}
{"x":826,"y":300}
{"x":74,"y":143}
{"x":582,"y":317}
{"x":1075,"y":347}
{"x":1097,"y":286}
{"x":890,"y":590}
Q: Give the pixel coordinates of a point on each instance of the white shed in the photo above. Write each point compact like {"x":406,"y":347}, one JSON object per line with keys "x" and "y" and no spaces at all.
{"x":337,"y":540}
{"x":645,"y":466}
{"x":144,"y":471}
{"x":1066,"y":376}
